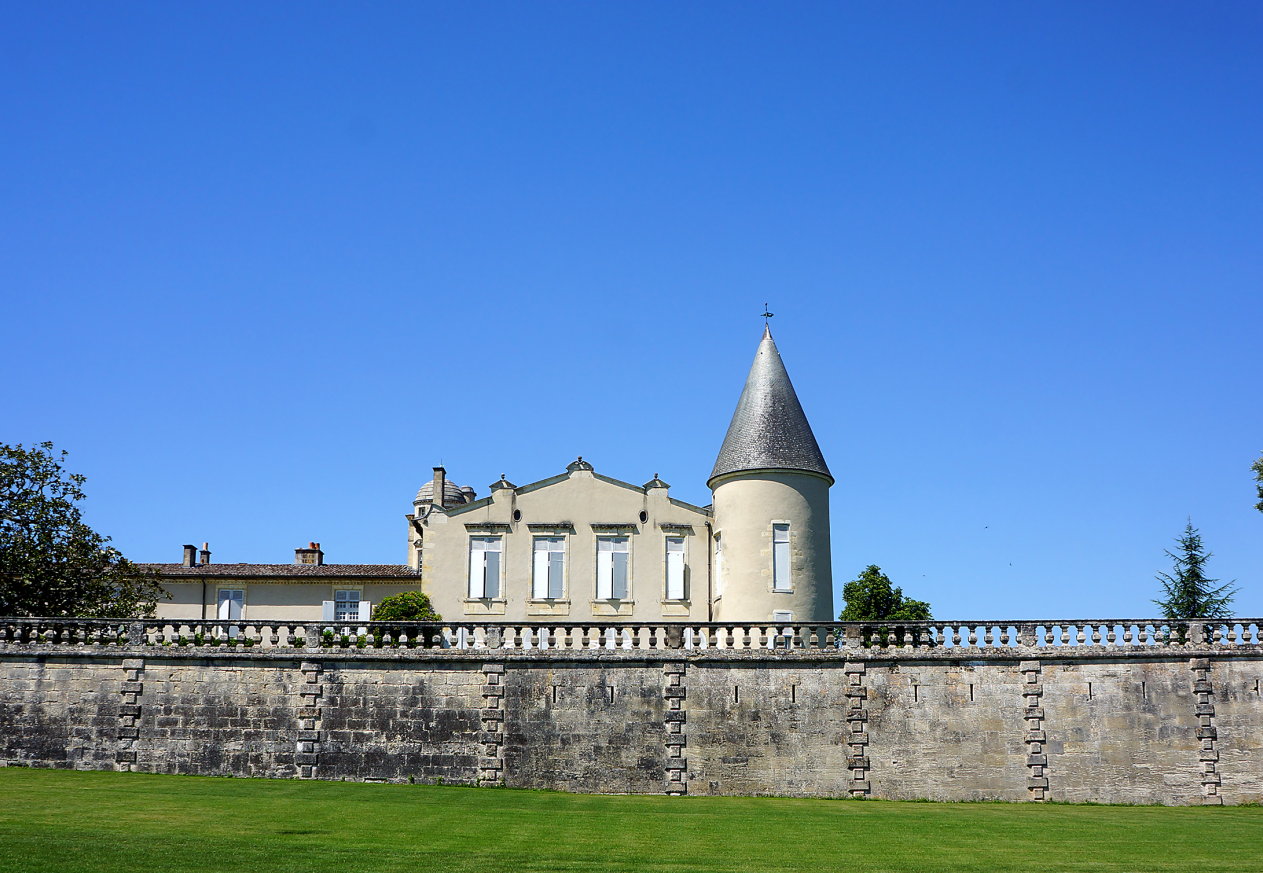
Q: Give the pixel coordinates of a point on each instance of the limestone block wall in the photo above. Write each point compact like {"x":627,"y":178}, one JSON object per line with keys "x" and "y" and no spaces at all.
{"x":59,"y":712}
{"x":594,"y":727}
{"x":651,"y":711}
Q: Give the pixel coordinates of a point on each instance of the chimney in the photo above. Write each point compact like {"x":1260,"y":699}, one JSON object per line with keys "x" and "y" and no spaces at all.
{"x":190,"y":555}
{"x":440,"y":483}
{"x":205,"y":554}
{"x":309,"y":555}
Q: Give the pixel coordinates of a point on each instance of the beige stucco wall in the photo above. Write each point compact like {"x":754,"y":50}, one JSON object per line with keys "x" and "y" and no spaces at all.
{"x":746,"y":506}
{"x":269,"y":599}
{"x":571,"y":504}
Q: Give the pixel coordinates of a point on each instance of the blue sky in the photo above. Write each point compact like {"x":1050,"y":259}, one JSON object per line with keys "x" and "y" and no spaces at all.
{"x":261,"y":268}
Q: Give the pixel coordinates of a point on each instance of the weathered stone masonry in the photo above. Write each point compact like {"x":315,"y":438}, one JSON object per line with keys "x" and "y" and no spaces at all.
{"x":1094,"y":722}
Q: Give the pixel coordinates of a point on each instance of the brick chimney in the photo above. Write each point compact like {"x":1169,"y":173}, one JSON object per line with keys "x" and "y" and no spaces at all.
{"x":190,"y":555}
{"x":309,"y":555}
{"x":205,"y":554}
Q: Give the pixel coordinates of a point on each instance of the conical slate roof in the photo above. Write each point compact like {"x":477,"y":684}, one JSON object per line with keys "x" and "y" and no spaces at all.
{"x":769,"y":430}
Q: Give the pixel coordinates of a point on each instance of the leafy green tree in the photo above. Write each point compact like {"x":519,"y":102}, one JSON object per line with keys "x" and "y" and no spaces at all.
{"x":871,"y":597}
{"x":1189,"y":594}
{"x":51,"y":563}
{"x":1257,"y":467}
{"x":406,"y":606}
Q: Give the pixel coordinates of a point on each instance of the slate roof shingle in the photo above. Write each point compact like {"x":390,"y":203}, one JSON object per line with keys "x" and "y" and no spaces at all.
{"x":769,"y":430}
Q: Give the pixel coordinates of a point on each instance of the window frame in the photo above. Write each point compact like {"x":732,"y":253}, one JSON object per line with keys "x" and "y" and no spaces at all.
{"x":546,"y":592}
{"x":359,"y":598}
{"x":220,"y":601}
{"x":682,"y":540}
{"x":782,"y":558}
{"x":614,"y":539}
{"x":486,"y":539}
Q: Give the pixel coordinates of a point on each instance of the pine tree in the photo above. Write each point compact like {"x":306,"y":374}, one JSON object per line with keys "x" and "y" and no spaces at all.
{"x":1189,"y":594}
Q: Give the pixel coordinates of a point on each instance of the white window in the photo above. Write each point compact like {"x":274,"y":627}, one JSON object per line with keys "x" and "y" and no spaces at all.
{"x":231,"y":602}
{"x":550,"y":568}
{"x":346,"y":605}
{"x":780,"y":557}
{"x":719,"y":566}
{"x":612,"y":554}
{"x":675,"y":568}
{"x":484,"y":567}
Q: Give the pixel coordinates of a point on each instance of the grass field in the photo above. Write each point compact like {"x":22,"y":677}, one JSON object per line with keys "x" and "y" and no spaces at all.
{"x":62,"y":820}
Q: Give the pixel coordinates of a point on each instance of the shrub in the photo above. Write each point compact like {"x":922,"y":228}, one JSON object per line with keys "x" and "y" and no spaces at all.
{"x":406,"y":606}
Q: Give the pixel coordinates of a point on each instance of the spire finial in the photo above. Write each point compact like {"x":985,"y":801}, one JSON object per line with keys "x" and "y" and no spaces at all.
{"x":766,"y":314}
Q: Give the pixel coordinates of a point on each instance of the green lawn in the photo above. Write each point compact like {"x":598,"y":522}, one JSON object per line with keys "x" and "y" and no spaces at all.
{"x":60,"y":820}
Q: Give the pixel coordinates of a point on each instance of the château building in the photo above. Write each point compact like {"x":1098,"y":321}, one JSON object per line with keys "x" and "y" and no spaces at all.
{"x":580,"y":545}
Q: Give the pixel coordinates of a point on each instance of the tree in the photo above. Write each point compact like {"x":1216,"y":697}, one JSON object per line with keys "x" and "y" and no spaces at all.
{"x":1257,"y":467}
{"x":872,"y":598}
{"x":1189,"y":594}
{"x":51,"y":563}
{"x":406,"y":606}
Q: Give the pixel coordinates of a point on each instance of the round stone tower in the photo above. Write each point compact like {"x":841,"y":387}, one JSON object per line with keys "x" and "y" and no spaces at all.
{"x":771,"y":504}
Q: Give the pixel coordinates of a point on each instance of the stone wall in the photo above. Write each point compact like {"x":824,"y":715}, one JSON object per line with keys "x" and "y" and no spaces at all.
{"x":1109,"y":724}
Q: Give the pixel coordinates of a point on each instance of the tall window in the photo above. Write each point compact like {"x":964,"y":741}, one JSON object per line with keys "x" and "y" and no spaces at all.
{"x":231,"y":602}
{"x":612,"y":554}
{"x":780,"y":557}
{"x":346,"y":605}
{"x":719,"y":566}
{"x":484,"y":567}
{"x":550,"y":566}
{"x":675,"y":568}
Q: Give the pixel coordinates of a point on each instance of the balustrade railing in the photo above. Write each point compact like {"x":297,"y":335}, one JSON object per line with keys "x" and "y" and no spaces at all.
{"x":896,"y":638}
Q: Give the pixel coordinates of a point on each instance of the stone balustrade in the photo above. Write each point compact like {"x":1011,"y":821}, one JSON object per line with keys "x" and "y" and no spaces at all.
{"x":897,"y":640}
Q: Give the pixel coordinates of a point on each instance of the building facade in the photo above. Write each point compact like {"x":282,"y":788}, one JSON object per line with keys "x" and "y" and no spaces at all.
{"x":581,"y":545}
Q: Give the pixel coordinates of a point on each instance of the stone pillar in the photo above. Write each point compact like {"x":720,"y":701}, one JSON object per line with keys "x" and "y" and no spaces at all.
{"x":309,"y":734}
{"x":675,"y":718}
{"x":1036,"y":738}
{"x":491,"y":763}
{"x":129,"y":714}
{"x":1207,"y":734}
{"x":857,"y":717}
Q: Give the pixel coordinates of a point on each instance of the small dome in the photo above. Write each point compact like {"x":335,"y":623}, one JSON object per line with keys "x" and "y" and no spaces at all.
{"x":452,"y":495}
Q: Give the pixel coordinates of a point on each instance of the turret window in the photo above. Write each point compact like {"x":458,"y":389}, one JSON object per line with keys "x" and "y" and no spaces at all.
{"x":780,"y":558}
{"x":719,"y":566}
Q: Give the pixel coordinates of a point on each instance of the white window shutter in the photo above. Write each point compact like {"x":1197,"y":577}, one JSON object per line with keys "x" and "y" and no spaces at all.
{"x":366,"y":610}
{"x":225,"y":605}
{"x":619,"y":584}
{"x":476,"y":580}
{"x":492,"y":574}
{"x":540,"y":587}
{"x":326,"y":610}
{"x":556,"y":574}
{"x":604,"y":574}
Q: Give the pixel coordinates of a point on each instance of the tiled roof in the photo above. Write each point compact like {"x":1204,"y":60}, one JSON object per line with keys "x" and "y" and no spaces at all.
{"x":769,"y":430}
{"x":292,"y":571}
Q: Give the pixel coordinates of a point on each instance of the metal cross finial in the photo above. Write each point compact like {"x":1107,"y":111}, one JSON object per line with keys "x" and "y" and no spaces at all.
{"x":766,"y":313}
